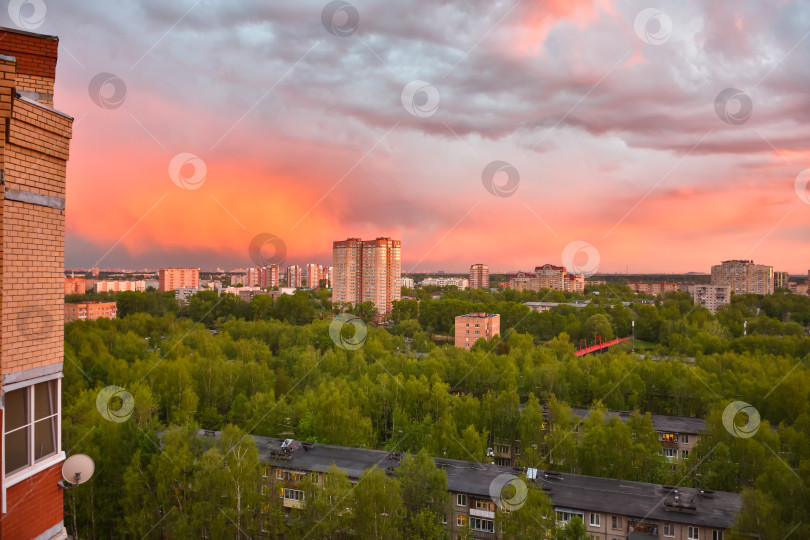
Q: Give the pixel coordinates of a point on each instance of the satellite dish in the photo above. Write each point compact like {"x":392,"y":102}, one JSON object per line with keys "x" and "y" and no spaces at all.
{"x":77,"y":469}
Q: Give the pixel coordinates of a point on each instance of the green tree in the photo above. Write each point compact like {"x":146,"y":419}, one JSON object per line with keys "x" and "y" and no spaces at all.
{"x":377,"y":506}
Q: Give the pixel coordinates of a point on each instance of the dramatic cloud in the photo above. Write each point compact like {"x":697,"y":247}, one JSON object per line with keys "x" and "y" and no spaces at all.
{"x":616,"y":120}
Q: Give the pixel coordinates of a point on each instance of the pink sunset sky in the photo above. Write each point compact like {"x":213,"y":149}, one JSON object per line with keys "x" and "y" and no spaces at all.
{"x":607,"y":113}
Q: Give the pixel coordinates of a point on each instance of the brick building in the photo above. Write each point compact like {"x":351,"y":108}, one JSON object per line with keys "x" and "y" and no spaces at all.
{"x":75,"y":285}
{"x":548,"y":276}
{"x":268,"y":276}
{"x":609,"y":508}
{"x":479,"y":276}
{"x":90,"y":311}
{"x":34,"y":146}
{"x":295,"y":276}
{"x":744,"y":277}
{"x":120,"y":285}
{"x":171,"y":279}
{"x":472,"y":326}
{"x":367,"y":271}
{"x":657,"y":288}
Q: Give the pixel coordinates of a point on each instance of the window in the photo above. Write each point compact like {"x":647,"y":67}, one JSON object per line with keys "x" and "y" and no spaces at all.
{"x":564,"y":516}
{"x":685,"y":438}
{"x":594,"y":520}
{"x":669,"y":529}
{"x":616,"y":522}
{"x":479,"y":524}
{"x":717,"y":535}
{"x":461,"y":500}
{"x":693,"y":533}
{"x":32,"y":425}
{"x":279,"y":474}
{"x":485,"y":505}
{"x":670,"y":452}
{"x":476,"y":332}
{"x":461,"y":520}
{"x":293,"y":494}
{"x":684,"y":453}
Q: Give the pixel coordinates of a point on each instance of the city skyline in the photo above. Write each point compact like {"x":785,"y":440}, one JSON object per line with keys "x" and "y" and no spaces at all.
{"x":618,"y":135}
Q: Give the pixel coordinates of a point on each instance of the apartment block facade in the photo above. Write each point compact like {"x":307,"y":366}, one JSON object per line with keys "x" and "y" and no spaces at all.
{"x":609,"y":508}
{"x":548,"y":276}
{"x":712,"y":297}
{"x":781,"y":280}
{"x":479,"y":276}
{"x":34,"y":148}
{"x":317,"y":274}
{"x":90,"y":311}
{"x":744,"y":277}
{"x":119,"y":286}
{"x":171,"y":279}
{"x":461,"y":283}
{"x":295,"y":276}
{"x":472,"y":326}
{"x":252,"y":277}
{"x":268,"y":276}
{"x":75,"y":285}
{"x":657,"y":288}
{"x":367,"y":271}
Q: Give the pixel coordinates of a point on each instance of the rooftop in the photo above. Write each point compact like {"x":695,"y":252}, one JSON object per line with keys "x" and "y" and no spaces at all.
{"x":641,"y":500}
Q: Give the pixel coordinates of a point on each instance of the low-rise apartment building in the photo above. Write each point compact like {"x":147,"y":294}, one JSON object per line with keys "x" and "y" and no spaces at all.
{"x":712,"y":297}
{"x":90,"y":311}
{"x":657,"y":288}
{"x":610,"y":508}
{"x":472,"y":326}
{"x":120,"y":285}
{"x":677,"y":435}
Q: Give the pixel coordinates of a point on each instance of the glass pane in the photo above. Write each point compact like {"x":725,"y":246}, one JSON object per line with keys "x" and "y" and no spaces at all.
{"x":44,"y":399}
{"x":16,"y":450}
{"x":16,"y":408}
{"x":44,"y":438}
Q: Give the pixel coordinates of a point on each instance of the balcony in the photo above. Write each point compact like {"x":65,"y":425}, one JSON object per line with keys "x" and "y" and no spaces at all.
{"x":475,"y":512}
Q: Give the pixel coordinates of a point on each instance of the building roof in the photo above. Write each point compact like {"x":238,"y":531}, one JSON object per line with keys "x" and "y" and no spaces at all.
{"x":587,"y":493}
{"x":661,"y":422}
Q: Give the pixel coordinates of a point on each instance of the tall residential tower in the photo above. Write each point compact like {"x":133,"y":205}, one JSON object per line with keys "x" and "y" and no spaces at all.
{"x":367,"y":271}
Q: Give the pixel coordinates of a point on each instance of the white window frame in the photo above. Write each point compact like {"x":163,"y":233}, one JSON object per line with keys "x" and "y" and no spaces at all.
{"x":693,"y":533}
{"x":668,"y":530}
{"x":461,"y":499}
{"x":594,"y":520}
{"x":717,"y":534}
{"x":44,"y":463}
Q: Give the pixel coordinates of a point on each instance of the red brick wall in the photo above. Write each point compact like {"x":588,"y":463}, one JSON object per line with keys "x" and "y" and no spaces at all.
{"x":36,"y":55}
{"x":33,"y":506}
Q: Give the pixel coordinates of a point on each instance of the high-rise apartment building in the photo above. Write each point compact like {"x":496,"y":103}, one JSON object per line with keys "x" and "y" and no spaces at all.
{"x":316,"y":274}
{"x":472,"y":326}
{"x":744,"y":277}
{"x":712,"y":297}
{"x":367,"y":271}
{"x":781,"y":280}
{"x":34,"y":147}
{"x":479,"y":276}
{"x":295,"y":276}
{"x":268,"y":276}
{"x":252,"y":277}
{"x":172,"y":279}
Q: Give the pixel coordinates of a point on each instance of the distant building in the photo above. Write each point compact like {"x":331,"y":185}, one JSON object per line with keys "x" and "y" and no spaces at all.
{"x":152,"y":284}
{"x":118,"y":286}
{"x":712,"y":297}
{"x":171,"y":279}
{"x":182,"y":294}
{"x":461,"y":283}
{"x":781,"y":280}
{"x":407,"y":282}
{"x":90,"y":311}
{"x":295,"y":276}
{"x":548,"y":276}
{"x":472,"y":326}
{"x":367,"y":271}
{"x":479,"y":276}
{"x":657,"y":288}
{"x":316,"y":274}
{"x":252,"y":277}
{"x":268,"y":276}
{"x":75,"y":285}
{"x":744,"y":277}
{"x":237,"y":279}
